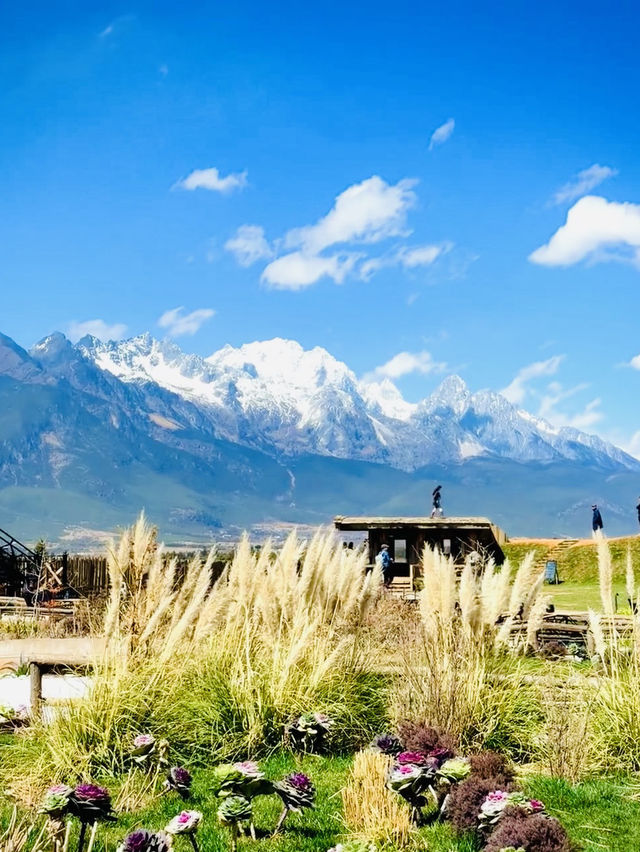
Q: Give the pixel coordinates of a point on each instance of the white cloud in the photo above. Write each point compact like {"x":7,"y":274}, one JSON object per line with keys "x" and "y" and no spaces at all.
{"x":631,"y":445}
{"x":116,"y":25}
{"x":517,"y":390}
{"x":407,"y":257}
{"x":584,"y":419}
{"x":635,"y":362}
{"x":96,"y":328}
{"x":249,"y":245}
{"x":583,"y":182}
{"x":366,"y":212}
{"x":421,"y":255}
{"x":597,"y":229}
{"x":298,"y":270}
{"x":178,"y":323}
{"x":405,"y":363}
{"x":211,"y":179}
{"x":442,"y":133}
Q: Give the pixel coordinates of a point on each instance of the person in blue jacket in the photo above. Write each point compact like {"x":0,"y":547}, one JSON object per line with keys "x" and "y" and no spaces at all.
{"x":385,"y":561}
{"x":596,"y":521}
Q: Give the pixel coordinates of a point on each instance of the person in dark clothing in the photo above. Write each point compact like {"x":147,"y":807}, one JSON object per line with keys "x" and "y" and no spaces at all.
{"x":638,"y":509}
{"x":596,"y":521}
{"x":436,"y":511}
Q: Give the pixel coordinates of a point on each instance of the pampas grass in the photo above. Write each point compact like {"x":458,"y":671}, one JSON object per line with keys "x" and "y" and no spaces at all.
{"x":458,"y":676}
{"x":220,"y":668}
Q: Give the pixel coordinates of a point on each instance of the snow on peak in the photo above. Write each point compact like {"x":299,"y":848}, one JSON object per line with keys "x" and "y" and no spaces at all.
{"x":452,"y":393}
{"x":385,"y":398}
{"x":278,"y":396}
{"x":285,"y":365}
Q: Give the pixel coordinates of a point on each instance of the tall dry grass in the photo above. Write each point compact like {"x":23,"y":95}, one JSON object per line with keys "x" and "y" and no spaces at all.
{"x":371,"y":811}
{"x":460,"y":675}
{"x":219,"y":669}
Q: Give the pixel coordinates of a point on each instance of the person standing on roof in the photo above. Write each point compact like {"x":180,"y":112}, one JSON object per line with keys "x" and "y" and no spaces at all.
{"x":596,"y":520}
{"x":436,"y":511}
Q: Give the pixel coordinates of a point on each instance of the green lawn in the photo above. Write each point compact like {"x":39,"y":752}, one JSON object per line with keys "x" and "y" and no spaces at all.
{"x":581,"y":596}
{"x":598,"y":814}
{"x":578,"y":570}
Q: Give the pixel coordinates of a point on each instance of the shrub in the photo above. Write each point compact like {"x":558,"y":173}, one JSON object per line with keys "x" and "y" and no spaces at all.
{"x":421,"y":737}
{"x":466,"y":800}
{"x":533,"y":832}
{"x":490,"y":764}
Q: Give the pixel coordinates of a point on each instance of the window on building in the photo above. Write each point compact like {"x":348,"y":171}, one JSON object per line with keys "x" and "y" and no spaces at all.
{"x":400,"y":550}
{"x":446,"y":547}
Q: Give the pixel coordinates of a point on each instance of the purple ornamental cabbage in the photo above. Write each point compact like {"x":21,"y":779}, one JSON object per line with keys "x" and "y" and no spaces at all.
{"x":89,"y":803}
{"x":178,"y":780}
{"x":387,"y":744}
{"x":143,"y":840}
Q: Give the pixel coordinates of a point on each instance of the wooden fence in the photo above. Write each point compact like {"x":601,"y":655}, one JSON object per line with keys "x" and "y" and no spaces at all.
{"x":88,"y":575}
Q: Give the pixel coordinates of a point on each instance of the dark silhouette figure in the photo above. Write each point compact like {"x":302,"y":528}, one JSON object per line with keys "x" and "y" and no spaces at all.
{"x":638,"y":510}
{"x":436,"y":494}
{"x":596,"y":521}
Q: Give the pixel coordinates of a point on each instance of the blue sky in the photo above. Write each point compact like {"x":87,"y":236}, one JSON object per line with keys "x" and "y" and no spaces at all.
{"x":418,"y":188}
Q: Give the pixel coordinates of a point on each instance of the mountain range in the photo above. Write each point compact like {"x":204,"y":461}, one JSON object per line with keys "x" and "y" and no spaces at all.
{"x":269,"y":434}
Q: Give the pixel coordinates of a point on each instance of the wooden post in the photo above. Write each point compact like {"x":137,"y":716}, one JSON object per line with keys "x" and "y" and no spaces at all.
{"x":35,"y":673}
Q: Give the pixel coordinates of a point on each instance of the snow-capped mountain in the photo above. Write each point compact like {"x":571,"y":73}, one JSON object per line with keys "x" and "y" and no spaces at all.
{"x":275,"y":396}
{"x":269,"y":433}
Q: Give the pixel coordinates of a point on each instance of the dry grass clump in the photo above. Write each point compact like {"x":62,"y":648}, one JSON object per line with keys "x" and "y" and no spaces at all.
{"x":566,"y":745}
{"x":371,"y":811}
{"x":458,"y":675}
{"x":220,"y":667}
{"x":24,"y":833}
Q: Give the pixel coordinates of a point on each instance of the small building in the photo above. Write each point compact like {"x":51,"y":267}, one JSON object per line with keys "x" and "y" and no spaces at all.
{"x":407,"y":537}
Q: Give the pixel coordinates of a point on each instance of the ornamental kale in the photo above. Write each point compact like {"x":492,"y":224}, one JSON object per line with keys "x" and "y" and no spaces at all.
{"x":244,"y":778}
{"x":387,"y":744}
{"x":495,"y":803}
{"x":143,"y":840}
{"x":233,"y":812}
{"x":454,"y":770}
{"x":297,"y":792}
{"x":309,"y":732}
{"x":186,"y":822}
{"x":56,"y":800}
{"x":144,"y":745}
{"x":412,"y":781}
{"x":90,"y":803}
{"x":178,"y":780}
